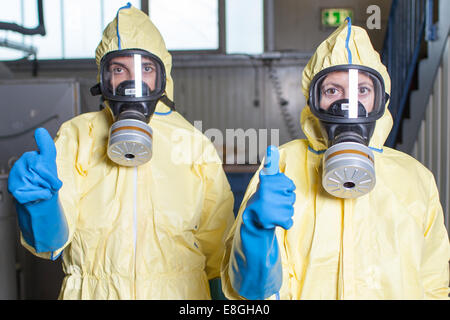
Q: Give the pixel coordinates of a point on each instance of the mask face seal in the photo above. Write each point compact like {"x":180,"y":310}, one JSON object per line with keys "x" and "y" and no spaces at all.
{"x":347,"y":100}
{"x":132,"y":81}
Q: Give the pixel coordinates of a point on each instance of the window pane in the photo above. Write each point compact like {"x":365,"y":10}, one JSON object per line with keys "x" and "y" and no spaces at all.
{"x":9,"y":54}
{"x":50,"y":45}
{"x":23,"y":13}
{"x":244,"y":26}
{"x":30,"y":13}
{"x":187,"y":25}
{"x":12,"y":14}
{"x":81,"y":33}
{"x":76,"y":35}
{"x":31,"y":20}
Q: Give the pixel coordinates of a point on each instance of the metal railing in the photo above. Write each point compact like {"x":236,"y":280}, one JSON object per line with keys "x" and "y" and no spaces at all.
{"x":410,"y":23}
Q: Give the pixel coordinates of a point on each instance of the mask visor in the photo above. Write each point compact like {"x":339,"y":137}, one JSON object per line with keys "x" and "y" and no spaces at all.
{"x":132,"y":75}
{"x":347,"y":95}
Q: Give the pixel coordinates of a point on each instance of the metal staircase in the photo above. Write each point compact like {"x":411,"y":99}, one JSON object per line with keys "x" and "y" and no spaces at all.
{"x":411,"y":29}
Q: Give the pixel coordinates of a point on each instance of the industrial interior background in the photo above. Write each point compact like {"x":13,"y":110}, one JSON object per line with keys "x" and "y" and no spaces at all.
{"x":231,"y":91}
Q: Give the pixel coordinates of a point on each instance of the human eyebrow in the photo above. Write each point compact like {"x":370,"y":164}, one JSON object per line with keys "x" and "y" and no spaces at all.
{"x":336,"y":85}
{"x":117,"y":64}
{"x":365,"y":83}
{"x":148,"y":63}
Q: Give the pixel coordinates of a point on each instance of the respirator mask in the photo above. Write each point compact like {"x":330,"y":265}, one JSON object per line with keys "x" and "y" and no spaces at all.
{"x":132,"y":81}
{"x":347,"y":100}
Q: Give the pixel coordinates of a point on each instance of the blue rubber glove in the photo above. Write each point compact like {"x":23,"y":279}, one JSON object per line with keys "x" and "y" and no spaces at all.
{"x":256,"y":269}
{"x":33,"y":182}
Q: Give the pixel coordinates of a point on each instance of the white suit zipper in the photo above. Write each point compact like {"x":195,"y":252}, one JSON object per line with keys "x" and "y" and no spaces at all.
{"x":135,"y":225}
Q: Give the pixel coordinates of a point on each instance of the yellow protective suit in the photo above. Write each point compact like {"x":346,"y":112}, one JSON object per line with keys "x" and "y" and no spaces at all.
{"x":156,"y":231}
{"x":388,"y":244}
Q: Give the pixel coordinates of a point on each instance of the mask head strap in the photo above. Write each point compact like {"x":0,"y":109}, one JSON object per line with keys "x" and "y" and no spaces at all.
{"x":165,"y":99}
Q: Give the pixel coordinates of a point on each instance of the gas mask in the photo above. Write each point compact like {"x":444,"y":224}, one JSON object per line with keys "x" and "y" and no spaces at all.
{"x":347,"y":100}
{"x":132,"y":81}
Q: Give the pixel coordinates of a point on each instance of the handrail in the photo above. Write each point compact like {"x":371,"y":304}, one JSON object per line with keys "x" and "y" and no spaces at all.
{"x":405,"y":33}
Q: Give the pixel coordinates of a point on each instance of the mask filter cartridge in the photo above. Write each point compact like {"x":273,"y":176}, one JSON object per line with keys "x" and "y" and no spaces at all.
{"x":348,"y":170}
{"x":130,"y":142}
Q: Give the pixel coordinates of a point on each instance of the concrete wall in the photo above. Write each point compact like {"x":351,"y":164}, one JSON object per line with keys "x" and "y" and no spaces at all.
{"x":432,"y":147}
{"x":297,"y":24}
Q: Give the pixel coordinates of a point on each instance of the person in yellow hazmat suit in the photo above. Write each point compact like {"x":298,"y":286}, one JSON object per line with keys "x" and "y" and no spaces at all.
{"x":133,"y":196}
{"x":338,"y":215}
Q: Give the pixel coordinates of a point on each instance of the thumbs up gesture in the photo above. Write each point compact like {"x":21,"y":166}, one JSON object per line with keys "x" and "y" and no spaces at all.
{"x":34,"y":176}
{"x":272,"y":203}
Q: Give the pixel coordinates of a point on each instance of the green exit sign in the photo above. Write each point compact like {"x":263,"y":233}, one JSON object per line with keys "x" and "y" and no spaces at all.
{"x":334,"y":17}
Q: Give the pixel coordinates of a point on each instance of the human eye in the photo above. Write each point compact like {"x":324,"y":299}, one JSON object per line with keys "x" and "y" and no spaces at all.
{"x":116,"y":69}
{"x":330,"y":91}
{"x":364,"y":90}
{"x":148,"y":68}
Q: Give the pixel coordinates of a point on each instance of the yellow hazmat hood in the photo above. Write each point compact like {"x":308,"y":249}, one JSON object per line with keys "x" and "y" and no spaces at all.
{"x":136,"y":31}
{"x":333,"y":52}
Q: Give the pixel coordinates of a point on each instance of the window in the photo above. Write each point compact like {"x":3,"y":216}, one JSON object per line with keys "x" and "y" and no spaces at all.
{"x":69,"y":33}
{"x":74,"y":28}
{"x":194,"y":24}
{"x":187,"y":25}
{"x":244,"y":26}
{"x":15,"y":13}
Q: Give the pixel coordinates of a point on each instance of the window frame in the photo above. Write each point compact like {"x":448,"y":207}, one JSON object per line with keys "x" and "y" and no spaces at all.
{"x":222,"y":32}
{"x":86,"y":64}
{"x":145,"y":8}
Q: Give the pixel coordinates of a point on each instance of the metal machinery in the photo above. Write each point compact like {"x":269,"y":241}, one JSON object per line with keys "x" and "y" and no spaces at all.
{"x":26,"y":105}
